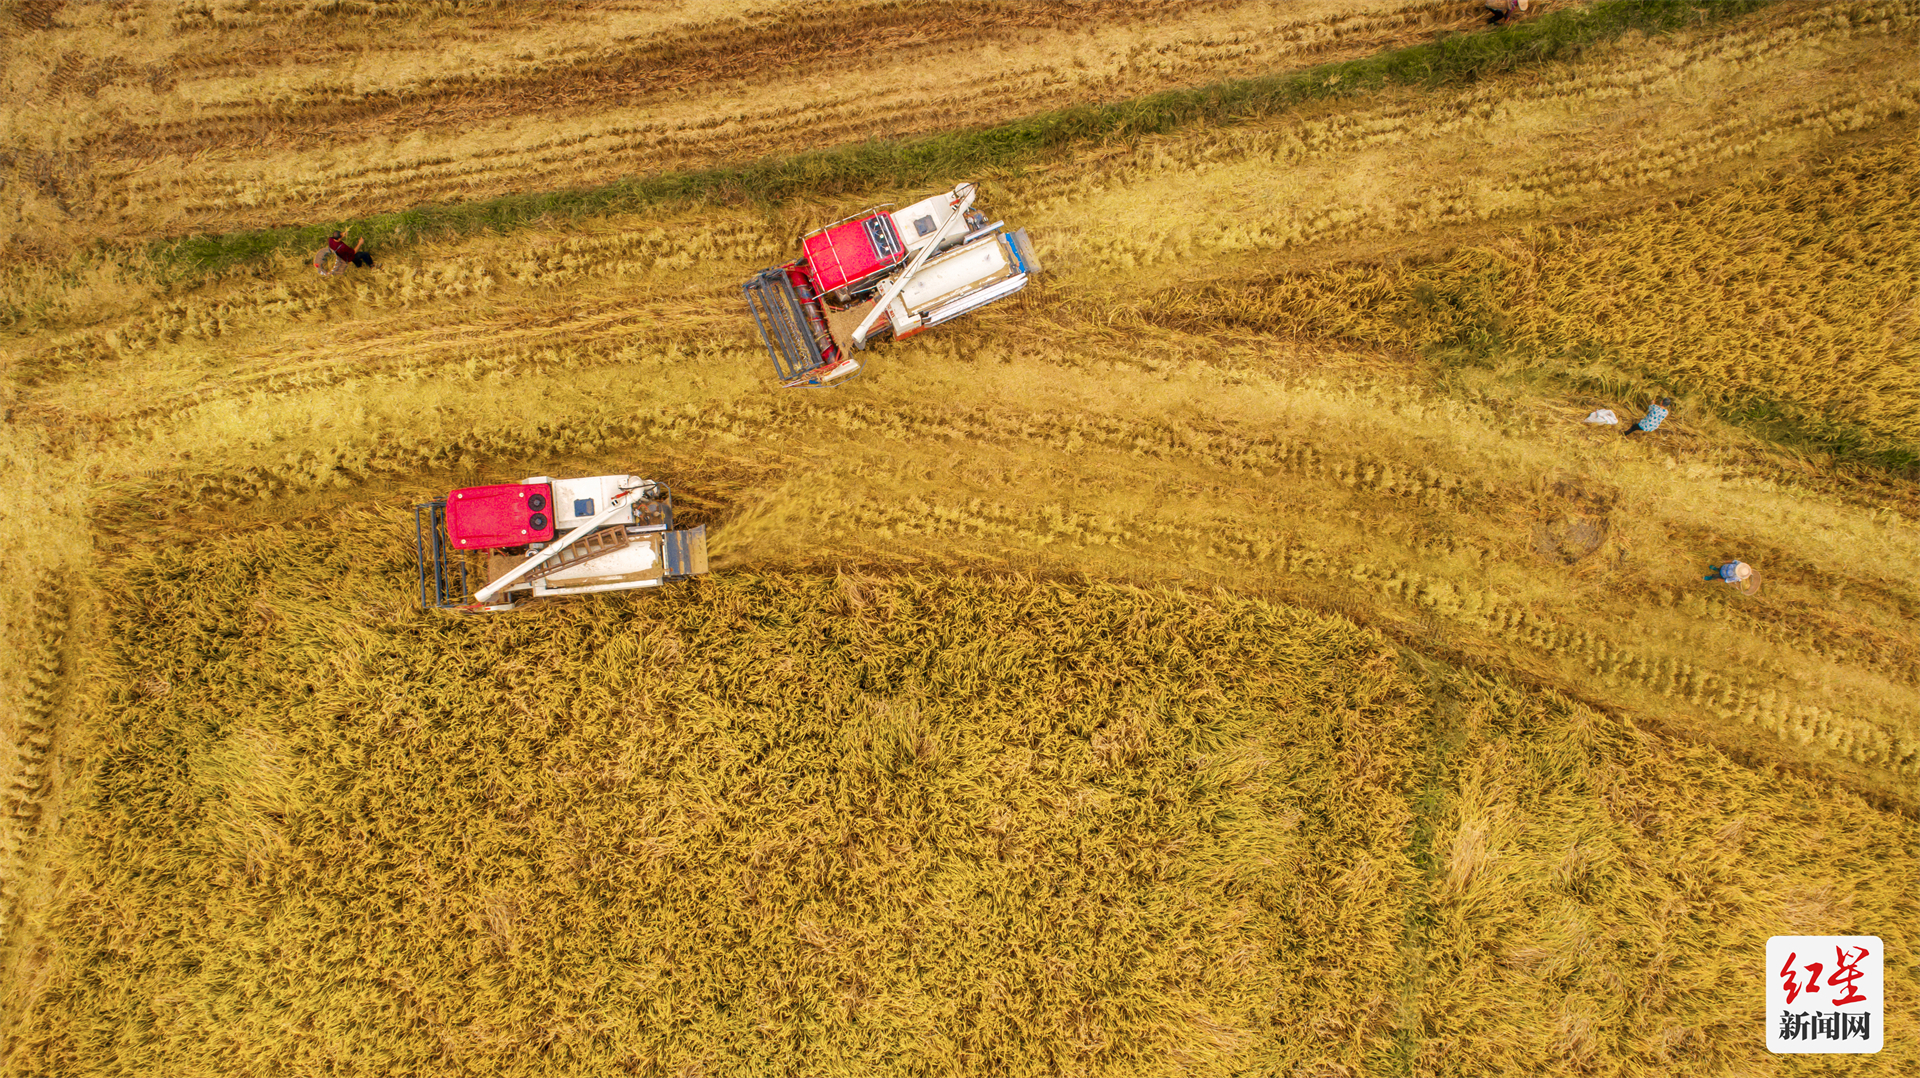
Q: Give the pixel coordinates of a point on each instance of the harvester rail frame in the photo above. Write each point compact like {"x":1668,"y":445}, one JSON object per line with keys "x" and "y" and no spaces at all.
{"x":785,"y":327}
{"x":544,"y":537}
{"x":882,"y":275}
{"x":431,"y":558}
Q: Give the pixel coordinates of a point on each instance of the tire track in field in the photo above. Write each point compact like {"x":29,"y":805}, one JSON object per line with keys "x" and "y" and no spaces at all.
{"x":1239,"y":550}
{"x":813,"y":36}
{"x":1238,"y":542}
{"x":386,"y":148}
{"x":1412,"y":483}
{"x":410,"y":291}
{"x":584,"y":338}
{"x":29,"y":772}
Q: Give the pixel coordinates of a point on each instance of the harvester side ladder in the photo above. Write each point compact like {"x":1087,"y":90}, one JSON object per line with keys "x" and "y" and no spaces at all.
{"x":615,"y":505}
{"x":962,"y":204}
{"x":597,"y":545}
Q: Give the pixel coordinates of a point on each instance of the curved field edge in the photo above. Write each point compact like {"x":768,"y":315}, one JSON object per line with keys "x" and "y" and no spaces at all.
{"x":823,"y":822}
{"x":1464,"y":484}
{"x":1468,"y":469}
{"x":1555,"y":36}
{"x":1465,"y":478}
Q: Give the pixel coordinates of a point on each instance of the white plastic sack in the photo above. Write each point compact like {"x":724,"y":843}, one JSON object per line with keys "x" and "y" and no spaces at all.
{"x":1603,"y":415}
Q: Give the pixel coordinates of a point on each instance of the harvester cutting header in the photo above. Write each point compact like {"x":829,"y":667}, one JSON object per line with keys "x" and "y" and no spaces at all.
{"x":881,"y":274}
{"x":542,"y":537}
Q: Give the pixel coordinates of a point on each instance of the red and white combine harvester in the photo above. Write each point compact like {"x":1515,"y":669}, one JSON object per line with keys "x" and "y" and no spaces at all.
{"x":883,"y":274}
{"x":542,"y":537}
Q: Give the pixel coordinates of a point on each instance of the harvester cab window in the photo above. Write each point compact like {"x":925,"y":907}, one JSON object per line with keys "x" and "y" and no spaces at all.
{"x":583,"y":507}
{"x":923,"y":226}
{"x":880,"y":234}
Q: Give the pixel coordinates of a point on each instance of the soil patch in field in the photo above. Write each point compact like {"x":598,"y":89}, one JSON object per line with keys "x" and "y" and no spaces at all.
{"x":1572,"y":522}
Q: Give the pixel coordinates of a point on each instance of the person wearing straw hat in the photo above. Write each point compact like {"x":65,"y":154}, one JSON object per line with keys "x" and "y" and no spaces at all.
{"x":1737,"y":573}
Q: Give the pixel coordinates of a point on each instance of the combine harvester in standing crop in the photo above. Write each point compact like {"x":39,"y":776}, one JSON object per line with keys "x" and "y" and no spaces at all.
{"x":883,"y":274}
{"x":541,"y":537}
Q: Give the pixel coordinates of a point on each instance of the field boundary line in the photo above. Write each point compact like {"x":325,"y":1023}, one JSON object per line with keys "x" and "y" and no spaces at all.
{"x":1456,"y":59}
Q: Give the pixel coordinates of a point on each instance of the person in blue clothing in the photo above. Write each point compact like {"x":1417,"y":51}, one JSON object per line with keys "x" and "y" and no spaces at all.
{"x":1737,"y":573}
{"x":1656,"y":415}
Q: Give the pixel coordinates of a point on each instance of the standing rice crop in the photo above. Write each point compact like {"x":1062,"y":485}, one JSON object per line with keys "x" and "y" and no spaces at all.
{"x":757,"y":823}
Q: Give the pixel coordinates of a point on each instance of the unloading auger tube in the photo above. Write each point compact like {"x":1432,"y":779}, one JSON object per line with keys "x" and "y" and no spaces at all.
{"x":614,"y":505}
{"x":966,"y":192}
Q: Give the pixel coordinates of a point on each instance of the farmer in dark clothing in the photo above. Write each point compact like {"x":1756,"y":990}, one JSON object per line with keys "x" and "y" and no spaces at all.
{"x":1656,"y":415}
{"x":1499,"y":11}
{"x":353,"y":254}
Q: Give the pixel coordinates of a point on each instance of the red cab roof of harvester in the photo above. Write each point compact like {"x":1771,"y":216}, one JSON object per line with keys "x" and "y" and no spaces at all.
{"x":853,"y":252}
{"x":509,"y":514}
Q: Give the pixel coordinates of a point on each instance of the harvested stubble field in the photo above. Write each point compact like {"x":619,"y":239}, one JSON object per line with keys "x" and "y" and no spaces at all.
{"x":1234,"y":656}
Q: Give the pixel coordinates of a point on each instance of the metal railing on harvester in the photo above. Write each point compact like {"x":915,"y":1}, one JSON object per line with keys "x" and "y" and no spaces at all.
{"x":792,"y":333}
{"x":438,"y":572}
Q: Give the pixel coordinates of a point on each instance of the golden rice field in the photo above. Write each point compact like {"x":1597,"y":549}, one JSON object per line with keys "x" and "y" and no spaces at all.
{"x":856,"y":823}
{"x":1234,"y":655}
